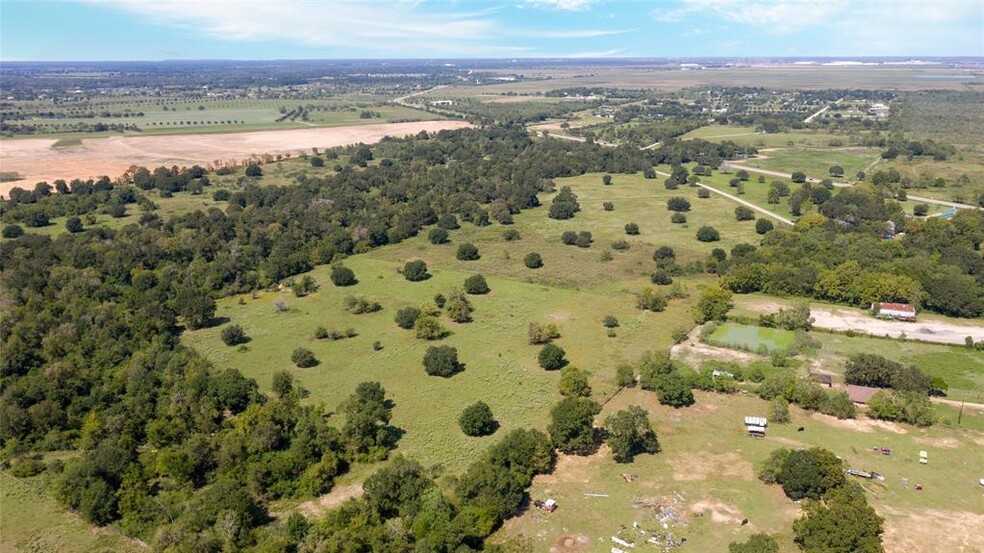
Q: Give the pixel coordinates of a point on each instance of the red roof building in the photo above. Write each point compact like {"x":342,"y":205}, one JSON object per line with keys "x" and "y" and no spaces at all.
{"x":901,"y":311}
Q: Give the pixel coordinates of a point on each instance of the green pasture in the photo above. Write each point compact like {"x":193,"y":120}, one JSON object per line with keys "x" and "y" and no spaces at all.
{"x":755,"y":192}
{"x":816,"y":163}
{"x":32,"y":521}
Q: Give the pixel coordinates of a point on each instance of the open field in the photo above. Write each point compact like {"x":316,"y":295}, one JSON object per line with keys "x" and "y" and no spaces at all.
{"x":816,"y":162}
{"x":707,"y":459}
{"x":574,"y":289}
{"x":31,"y":521}
{"x":37,"y":160}
{"x":800,"y":138}
{"x":786,"y":77}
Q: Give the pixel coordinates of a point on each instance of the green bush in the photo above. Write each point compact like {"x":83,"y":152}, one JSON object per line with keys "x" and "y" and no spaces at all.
{"x":342,"y":275}
{"x":629,"y":434}
{"x":415,"y":271}
{"x":233,"y":335}
{"x":405,"y":318}
{"x":442,"y":361}
{"x":437,"y":236}
{"x":631,"y":229}
{"x":533,"y":260}
{"x":708,"y":234}
{"x":467,"y":252}
{"x":303,"y":358}
{"x":477,"y":420}
{"x":510,"y":235}
{"x":551,"y":357}
{"x":429,"y":328}
{"x":573,"y":382}
{"x":476,"y":284}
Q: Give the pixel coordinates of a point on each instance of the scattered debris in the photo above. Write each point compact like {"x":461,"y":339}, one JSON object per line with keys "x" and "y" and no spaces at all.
{"x":628,"y":477}
{"x":596,"y":495}
{"x":549,"y":505}
{"x":923,"y":458}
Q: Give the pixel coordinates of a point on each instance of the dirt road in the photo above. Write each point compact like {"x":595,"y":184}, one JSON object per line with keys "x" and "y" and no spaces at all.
{"x":935,"y":329}
{"x":739,"y":165}
{"x":734,"y":198}
{"x":37,"y":160}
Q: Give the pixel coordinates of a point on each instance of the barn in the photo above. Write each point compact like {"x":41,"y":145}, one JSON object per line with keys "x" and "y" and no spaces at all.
{"x":900,"y":311}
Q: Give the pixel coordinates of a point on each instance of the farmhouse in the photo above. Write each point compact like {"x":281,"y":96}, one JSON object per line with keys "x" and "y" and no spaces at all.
{"x":900,"y":311}
{"x":860,"y":394}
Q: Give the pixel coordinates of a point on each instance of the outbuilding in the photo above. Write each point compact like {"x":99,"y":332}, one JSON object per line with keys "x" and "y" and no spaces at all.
{"x":899,"y":311}
{"x":860,"y":394}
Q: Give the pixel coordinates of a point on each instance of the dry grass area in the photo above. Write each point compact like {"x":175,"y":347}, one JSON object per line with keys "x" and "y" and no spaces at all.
{"x":37,"y":159}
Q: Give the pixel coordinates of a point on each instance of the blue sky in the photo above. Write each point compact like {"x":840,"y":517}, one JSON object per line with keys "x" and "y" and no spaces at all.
{"x":283,"y":29}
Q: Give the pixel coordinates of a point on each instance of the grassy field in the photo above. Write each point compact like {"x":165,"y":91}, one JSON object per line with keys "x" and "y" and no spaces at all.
{"x":31,"y":521}
{"x":816,"y":162}
{"x":708,"y":461}
{"x":575,"y":289}
{"x":752,"y":338}
{"x":800,"y":138}
{"x":755,"y":192}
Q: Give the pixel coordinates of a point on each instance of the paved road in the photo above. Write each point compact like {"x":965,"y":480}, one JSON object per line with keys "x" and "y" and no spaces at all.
{"x":734,"y":198}
{"x":739,"y":165}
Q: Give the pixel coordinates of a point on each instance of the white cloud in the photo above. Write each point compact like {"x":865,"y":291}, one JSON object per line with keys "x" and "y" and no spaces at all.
{"x":567,"y":5}
{"x":571,"y":34}
{"x":351,"y":26}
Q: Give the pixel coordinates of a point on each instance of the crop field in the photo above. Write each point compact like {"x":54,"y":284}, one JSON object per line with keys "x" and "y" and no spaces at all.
{"x":816,"y":162}
{"x":705,"y":474}
{"x":209,"y":115}
{"x":33,"y":521}
{"x":786,"y":77}
{"x":752,"y":338}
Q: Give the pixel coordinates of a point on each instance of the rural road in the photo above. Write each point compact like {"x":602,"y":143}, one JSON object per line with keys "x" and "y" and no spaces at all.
{"x":821,"y":112}
{"x":734,"y":198}
{"x":729,"y":165}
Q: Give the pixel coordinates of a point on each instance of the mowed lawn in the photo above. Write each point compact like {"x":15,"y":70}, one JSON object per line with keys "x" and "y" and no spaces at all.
{"x":709,"y":462}
{"x":816,"y":163}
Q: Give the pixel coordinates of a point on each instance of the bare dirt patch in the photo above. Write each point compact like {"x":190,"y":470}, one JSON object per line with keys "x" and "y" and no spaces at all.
{"x":38,"y":160}
{"x":693,"y":349}
{"x":942,"y":443}
{"x":932,"y":530}
{"x":722,"y":465}
{"x":330,"y":500}
{"x":860,"y":425}
{"x":721,"y":513}
{"x":570,"y":468}
{"x":569,"y":543}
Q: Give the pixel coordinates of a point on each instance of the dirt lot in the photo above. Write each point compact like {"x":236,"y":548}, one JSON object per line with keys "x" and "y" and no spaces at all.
{"x":37,"y":160}
{"x":927,"y":329}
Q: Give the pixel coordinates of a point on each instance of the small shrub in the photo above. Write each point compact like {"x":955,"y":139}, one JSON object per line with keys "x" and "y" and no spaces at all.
{"x":608,"y":206}
{"x":448,"y":222}
{"x":625,"y":376}
{"x":573,"y":382}
{"x":439,"y":301}
{"x":476,"y":284}
{"x":763,"y":226}
{"x":234,"y":335}
{"x":542,"y":334}
{"x":254,"y":170}
{"x":620,"y":245}
{"x":663,"y":253}
{"x":708,"y":234}
{"x":678,"y":218}
{"x":533,"y":260}
{"x":583,"y":239}
{"x":458,"y":307}
{"x":920,"y":210}
{"x":405,"y":318}
{"x":303,"y":358}
{"x":703,"y":193}
{"x":610,"y":321}
{"x":477,"y":420}
{"x":429,"y":328}
{"x":652,"y":300}
{"x":631,"y":229}
{"x":678,"y":204}
{"x":743,"y":213}
{"x":606,"y":256}
{"x":467,"y":252}
{"x":551,"y":357}
{"x":441,"y":361}
{"x":415,"y":271}
{"x":360,"y":304}
{"x":437,"y":236}
{"x":661,"y":277}
{"x":221,"y":195}
{"x":606,"y":180}
{"x":568,"y":237}
{"x":342,"y":275}
{"x":510,"y":235}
